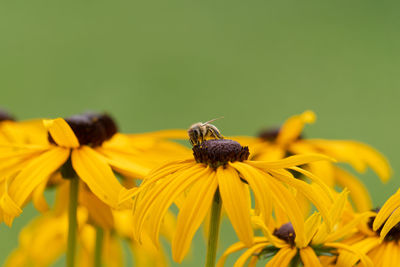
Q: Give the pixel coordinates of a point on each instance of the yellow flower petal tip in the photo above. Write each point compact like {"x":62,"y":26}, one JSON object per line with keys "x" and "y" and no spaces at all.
{"x":61,"y":132}
{"x":308,"y":116}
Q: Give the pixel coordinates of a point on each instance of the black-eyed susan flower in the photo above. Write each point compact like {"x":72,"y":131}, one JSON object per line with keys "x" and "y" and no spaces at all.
{"x":84,"y":148}
{"x":288,"y":140}
{"x":41,"y":242}
{"x":92,"y":145}
{"x":299,"y":242}
{"x":382,"y":248}
{"x":388,"y":216}
{"x":21,"y":132}
{"x":219,"y":174}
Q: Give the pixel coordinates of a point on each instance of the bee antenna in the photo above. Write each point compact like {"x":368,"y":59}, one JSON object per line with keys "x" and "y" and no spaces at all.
{"x":207,"y":122}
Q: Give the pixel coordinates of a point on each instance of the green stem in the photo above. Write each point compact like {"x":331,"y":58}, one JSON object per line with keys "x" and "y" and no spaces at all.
{"x":213,"y":232}
{"x":99,"y":246}
{"x":295,"y":262}
{"x":72,"y":222}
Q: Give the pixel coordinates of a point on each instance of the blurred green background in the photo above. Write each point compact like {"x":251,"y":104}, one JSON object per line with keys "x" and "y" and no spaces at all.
{"x":168,"y":64}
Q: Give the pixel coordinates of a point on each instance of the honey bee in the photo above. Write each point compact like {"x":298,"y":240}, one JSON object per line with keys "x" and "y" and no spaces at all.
{"x":200,"y":131}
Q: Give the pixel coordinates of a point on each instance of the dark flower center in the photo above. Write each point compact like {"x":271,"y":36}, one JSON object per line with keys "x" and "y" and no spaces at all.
{"x":286,"y":233}
{"x":218,"y":152}
{"x":91,"y":129}
{"x":5,"y":116}
{"x":270,"y":134}
{"x":394,"y":233}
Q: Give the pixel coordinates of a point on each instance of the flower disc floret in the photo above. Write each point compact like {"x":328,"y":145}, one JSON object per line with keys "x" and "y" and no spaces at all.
{"x":5,"y":116}
{"x":269,"y":134}
{"x":286,"y":233}
{"x":218,"y":152}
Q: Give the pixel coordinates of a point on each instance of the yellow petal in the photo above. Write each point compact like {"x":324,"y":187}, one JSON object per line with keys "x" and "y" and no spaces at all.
{"x":45,"y":233}
{"x":288,"y":162}
{"x":38,"y":199}
{"x":13,"y":159}
{"x":388,"y":259}
{"x":323,"y":170}
{"x":282,"y":258}
{"x":349,"y":227}
{"x":232,"y":249}
{"x":314,"y":179}
{"x":267,"y":152}
{"x":375,"y":160}
{"x":236,"y":203}
{"x":320,"y":201}
{"x":357,"y":154}
{"x":364,"y":246}
{"x":99,"y":213}
{"x":259,"y":186}
{"x":197,"y":204}
{"x":8,"y":209}
{"x":157,"y":174}
{"x":391,"y":222}
{"x":293,"y":127}
{"x":391,"y":255}
{"x":123,"y":164}
{"x":143,"y":256}
{"x":311,"y":227}
{"x":97,"y":174}
{"x":358,"y":192}
{"x":36,"y":172}
{"x":390,"y":205}
{"x":165,"y":134}
{"x":146,"y":200}
{"x":164,"y":199}
{"x":360,"y":255}
{"x":168,"y":227}
{"x":378,"y":253}
{"x":309,"y":258}
{"x":61,"y":133}
{"x":285,"y":199}
{"x":248,"y":253}
{"x":335,"y":214}
{"x":275,"y":241}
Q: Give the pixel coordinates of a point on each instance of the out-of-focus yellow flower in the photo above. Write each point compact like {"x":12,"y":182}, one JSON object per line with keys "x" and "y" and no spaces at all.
{"x":277,"y":144}
{"x":44,"y":240}
{"x":218,"y":166}
{"x":389,"y":215}
{"x":159,"y":142}
{"x":301,"y":241}
{"x":382,"y":248}
{"x":91,"y":144}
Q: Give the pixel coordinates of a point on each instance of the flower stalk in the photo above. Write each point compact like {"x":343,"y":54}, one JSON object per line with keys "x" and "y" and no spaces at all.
{"x":72,"y":221}
{"x":213,"y":233}
{"x":98,"y":247}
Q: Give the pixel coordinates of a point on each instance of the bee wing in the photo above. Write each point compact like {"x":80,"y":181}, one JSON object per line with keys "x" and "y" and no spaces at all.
{"x":207,"y":122}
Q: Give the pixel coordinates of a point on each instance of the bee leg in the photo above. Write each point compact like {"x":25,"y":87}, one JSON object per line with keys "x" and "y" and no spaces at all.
{"x":215,"y":134}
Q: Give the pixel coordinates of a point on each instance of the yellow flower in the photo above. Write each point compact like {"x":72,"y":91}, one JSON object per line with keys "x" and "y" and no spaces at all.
{"x":277,"y":144}
{"x":301,"y":241}
{"x":389,"y":215}
{"x":48,"y":233}
{"x":382,"y":248}
{"x":42,"y":241}
{"x":218,"y":166}
{"x":89,"y":143}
